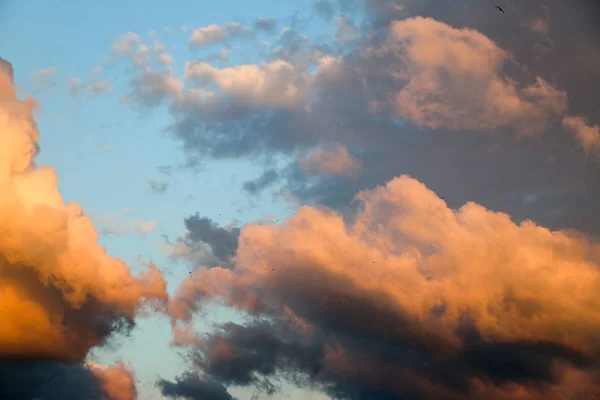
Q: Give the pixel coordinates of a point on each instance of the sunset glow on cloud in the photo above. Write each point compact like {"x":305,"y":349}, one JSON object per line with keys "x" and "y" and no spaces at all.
{"x":325,"y":200}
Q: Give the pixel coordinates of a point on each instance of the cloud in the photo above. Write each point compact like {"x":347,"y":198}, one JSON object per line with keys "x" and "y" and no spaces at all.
{"x":587,"y":135}
{"x":460,"y":95}
{"x":165,"y":59}
{"x":205,"y":242}
{"x":75,"y":86}
{"x":165,"y":169}
{"x":221,"y":241}
{"x":540,"y":26}
{"x":126,"y":44}
{"x":265,"y":25}
{"x":117,"y":381}
{"x":44,"y":73}
{"x":158,"y":187}
{"x":6,"y":69}
{"x":62,"y":295}
{"x":278,"y":84}
{"x":452,"y":304}
{"x":221,"y":55}
{"x":135,"y":227}
{"x":334,"y":161}
{"x":100,"y":87}
{"x":346,"y":30}
{"x":152,"y":88}
{"x":213,"y":34}
{"x":51,"y":380}
{"x":268,"y":178}
{"x":93,"y":87}
{"x":44,"y":79}
{"x":454,"y":82}
{"x":190,"y":386}
{"x":324,"y":8}
{"x":158,"y":46}
{"x":131,"y":46}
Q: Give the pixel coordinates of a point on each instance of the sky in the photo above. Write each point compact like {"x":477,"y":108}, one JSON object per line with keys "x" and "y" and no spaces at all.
{"x":319,"y":199}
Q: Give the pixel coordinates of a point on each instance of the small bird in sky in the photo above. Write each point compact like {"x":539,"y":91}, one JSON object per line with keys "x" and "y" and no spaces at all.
{"x":500,"y":8}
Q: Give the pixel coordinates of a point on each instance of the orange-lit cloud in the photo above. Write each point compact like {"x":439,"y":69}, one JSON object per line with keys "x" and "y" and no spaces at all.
{"x":408,"y":244}
{"x":419,"y":271}
{"x":586,"y":134}
{"x":335,"y":161}
{"x":60,"y":293}
{"x":278,"y":84}
{"x":455,"y":81}
{"x":117,"y":381}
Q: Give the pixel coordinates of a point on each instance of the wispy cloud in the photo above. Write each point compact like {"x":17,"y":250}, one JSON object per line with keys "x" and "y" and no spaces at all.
{"x":44,"y":79}
{"x":158,"y":187}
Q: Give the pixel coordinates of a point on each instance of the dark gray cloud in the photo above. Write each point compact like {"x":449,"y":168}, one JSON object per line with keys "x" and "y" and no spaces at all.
{"x":192,"y":387}
{"x":266,"y":25}
{"x":268,"y":178}
{"x":158,"y":187}
{"x":376,"y":364}
{"x":205,"y":242}
{"x":48,"y":380}
{"x":260,"y":350}
{"x":222,"y":242}
{"x":361,"y":347}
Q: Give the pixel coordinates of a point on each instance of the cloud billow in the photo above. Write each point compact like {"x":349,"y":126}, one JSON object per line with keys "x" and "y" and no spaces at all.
{"x":62,"y":294}
{"x":449,"y":303}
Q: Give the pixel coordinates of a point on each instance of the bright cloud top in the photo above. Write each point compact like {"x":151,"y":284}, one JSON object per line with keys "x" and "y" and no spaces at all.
{"x":278,"y":84}
{"x":213,"y":34}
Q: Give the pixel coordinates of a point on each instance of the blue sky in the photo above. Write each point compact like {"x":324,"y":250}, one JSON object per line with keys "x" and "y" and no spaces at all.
{"x":105,"y":153}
